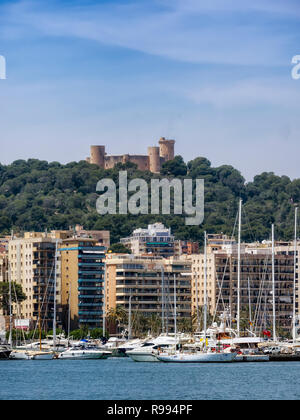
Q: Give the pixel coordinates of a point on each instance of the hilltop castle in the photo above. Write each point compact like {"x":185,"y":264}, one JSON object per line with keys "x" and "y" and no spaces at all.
{"x":151,"y":162}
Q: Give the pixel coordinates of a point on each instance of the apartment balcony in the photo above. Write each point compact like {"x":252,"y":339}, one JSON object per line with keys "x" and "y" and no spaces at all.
{"x":90,"y":313}
{"x":90,"y":281}
{"x":90,"y":264}
{"x":101,"y":249}
{"x":95,"y":321}
{"x":90,"y":288}
{"x":80,"y":272}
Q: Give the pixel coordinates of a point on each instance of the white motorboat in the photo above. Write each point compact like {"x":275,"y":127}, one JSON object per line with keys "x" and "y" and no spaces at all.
{"x":21,"y":355}
{"x":84,"y":352}
{"x":128,"y":346}
{"x":31,"y":355}
{"x":199,"y":357}
{"x":147,"y":352}
{"x":113,"y":345}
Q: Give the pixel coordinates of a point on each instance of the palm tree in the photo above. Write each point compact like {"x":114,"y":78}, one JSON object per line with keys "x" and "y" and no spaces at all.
{"x":210,"y":319}
{"x":185,"y":325}
{"x":155,"y":324}
{"x":117,"y":316}
{"x":140,"y":323}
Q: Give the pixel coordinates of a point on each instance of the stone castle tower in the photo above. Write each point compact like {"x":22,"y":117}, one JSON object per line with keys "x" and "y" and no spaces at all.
{"x":151,"y":162}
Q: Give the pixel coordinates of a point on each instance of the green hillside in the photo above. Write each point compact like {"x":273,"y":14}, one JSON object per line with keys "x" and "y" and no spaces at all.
{"x":37,"y":195}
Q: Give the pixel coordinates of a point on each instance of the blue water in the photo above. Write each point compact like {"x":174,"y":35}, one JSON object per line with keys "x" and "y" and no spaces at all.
{"x":123,"y":379}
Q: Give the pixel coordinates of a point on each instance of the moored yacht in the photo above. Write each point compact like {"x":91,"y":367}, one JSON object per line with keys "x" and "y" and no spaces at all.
{"x":198,"y":357}
{"x":84,"y":352}
{"x":148,"y":350}
{"x":128,"y":346}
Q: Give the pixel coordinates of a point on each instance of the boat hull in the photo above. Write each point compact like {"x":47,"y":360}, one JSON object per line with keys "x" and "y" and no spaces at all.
{"x":252,"y":358}
{"x":43,"y":356}
{"x":20,"y":355}
{"x":83,"y":355}
{"x":198,"y":358}
{"x":4,"y":354}
{"x":143,"y":357}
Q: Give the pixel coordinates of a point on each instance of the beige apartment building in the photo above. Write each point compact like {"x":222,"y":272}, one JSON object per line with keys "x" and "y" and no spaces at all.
{"x":256,"y":281}
{"x":3,"y":279}
{"x":158,"y":241}
{"x":32,"y":265}
{"x":3,"y":267}
{"x":149,"y":283}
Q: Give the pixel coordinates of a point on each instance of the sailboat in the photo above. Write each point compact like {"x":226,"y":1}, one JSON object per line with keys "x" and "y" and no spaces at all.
{"x":206,"y":355}
{"x":44,"y":354}
{"x":238,"y":340}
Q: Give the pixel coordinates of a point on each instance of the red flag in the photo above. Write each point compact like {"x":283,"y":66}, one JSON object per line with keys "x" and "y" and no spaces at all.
{"x":267,"y":333}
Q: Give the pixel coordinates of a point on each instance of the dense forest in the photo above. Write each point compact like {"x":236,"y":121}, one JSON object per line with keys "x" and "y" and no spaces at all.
{"x":37,"y":195}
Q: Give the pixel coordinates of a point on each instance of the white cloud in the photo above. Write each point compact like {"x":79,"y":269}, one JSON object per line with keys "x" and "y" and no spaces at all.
{"x":178,"y":32}
{"x":245,"y":93}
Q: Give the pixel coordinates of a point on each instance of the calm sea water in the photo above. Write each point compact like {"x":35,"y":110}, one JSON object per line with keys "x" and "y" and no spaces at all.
{"x":118,"y":379}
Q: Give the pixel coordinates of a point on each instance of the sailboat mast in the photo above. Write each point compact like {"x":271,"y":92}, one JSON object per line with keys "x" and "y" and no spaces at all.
{"x":250,"y":309}
{"x":175,"y":309}
{"x":295,"y":275}
{"x":239,"y":272}
{"x":104,"y":300}
{"x":69,"y":313}
{"x":197,"y":304}
{"x":40,"y":323}
{"x":10,"y":306}
{"x":54,"y":292}
{"x":129,"y":318}
{"x":205,"y":288}
{"x":163,"y":299}
{"x":273,"y":283}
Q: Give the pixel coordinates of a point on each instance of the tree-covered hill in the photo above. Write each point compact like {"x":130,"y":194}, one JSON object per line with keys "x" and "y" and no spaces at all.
{"x":37,"y":195}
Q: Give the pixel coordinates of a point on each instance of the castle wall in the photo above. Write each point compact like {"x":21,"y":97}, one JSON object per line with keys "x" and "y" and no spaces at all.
{"x":141,"y":161}
{"x":111,"y":161}
{"x":151,"y":162}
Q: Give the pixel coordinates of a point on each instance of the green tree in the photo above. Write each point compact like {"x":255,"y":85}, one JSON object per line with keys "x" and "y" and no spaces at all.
{"x":119,"y":249}
{"x":17,"y":295}
{"x":154,"y":323}
{"x":175,"y":167}
{"x":118,"y":317}
{"x":185,"y":325}
{"x":140,"y":324}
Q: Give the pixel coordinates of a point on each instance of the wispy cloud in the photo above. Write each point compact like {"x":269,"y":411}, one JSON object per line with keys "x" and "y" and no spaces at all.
{"x":282,"y":7}
{"x":178,"y":30}
{"x":246,"y":93}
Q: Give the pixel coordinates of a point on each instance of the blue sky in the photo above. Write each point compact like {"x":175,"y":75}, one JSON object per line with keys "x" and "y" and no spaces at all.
{"x":216,"y":76}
